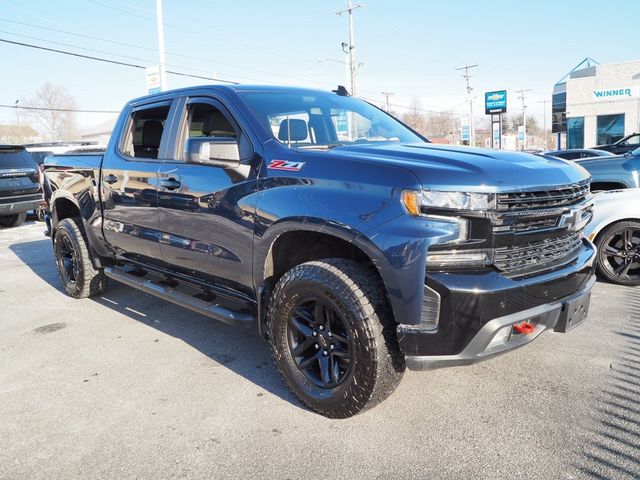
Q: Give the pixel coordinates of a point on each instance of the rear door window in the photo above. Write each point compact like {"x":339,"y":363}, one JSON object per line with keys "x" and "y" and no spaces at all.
{"x":145,"y":132}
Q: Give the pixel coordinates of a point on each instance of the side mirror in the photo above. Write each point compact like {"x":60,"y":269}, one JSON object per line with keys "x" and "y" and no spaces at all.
{"x":222,"y":152}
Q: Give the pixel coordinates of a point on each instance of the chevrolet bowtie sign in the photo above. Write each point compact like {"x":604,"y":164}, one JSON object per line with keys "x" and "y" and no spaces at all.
{"x":495,"y":102}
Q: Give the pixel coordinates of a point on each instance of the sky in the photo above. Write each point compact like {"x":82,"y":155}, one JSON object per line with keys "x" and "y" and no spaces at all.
{"x":408,"y":47}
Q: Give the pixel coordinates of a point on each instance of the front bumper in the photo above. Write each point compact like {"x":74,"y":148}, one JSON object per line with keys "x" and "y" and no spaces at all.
{"x":478,"y":312}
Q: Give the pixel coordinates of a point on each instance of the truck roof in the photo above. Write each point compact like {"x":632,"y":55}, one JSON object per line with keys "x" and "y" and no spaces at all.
{"x":232,"y":88}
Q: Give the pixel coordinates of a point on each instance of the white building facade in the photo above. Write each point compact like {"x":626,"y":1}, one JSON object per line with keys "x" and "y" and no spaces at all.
{"x":602,"y":104}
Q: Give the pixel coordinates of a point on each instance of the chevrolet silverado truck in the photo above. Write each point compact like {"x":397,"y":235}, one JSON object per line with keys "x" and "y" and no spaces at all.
{"x":353,"y":245}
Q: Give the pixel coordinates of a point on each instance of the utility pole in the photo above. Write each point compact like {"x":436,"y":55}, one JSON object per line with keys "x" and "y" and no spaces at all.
{"x":522,"y":97}
{"x":544,"y":120}
{"x":386,"y":100}
{"x":351,"y":46}
{"x":467,"y":78}
{"x":160,"y":28}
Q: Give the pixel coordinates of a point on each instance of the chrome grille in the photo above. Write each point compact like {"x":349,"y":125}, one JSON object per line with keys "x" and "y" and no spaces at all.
{"x":536,"y":255}
{"x":543,"y":199}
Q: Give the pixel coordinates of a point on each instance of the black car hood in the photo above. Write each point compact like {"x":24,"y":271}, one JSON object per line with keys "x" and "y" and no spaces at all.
{"x":454,"y":168}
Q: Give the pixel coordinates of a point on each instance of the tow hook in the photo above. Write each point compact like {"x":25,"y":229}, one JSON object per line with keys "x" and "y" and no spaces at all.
{"x":524,"y":328}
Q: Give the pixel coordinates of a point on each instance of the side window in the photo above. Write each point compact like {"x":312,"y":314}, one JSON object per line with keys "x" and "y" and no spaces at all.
{"x":145,"y":131}
{"x":205,"y":121}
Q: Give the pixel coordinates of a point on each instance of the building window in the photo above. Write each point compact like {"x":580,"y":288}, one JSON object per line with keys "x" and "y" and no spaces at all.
{"x":575,"y":132}
{"x":610,"y":129}
{"x":559,"y":112}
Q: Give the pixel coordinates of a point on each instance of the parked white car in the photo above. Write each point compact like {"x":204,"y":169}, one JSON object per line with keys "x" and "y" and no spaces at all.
{"x":615,"y":230}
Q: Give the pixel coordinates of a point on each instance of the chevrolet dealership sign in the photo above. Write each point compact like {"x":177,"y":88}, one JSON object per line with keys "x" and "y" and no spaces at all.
{"x":495,"y":102}
{"x":616,"y":93}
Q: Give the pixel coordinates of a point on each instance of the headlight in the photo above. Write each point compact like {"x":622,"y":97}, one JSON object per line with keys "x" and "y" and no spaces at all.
{"x":414,"y":201}
{"x":458,"y":258}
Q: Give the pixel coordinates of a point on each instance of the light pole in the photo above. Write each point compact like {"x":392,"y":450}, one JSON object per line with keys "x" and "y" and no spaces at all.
{"x":467,"y":78}
{"x":524,"y":116}
{"x":351,"y":46}
{"x":544,"y":120}
{"x":386,"y":100}
{"x":160,"y":28}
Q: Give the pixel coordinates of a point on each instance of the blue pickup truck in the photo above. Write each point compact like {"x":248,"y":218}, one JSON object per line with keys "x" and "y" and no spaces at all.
{"x":353,"y":245}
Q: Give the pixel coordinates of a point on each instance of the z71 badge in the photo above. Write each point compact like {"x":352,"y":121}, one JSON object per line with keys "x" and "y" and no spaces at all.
{"x":286,"y":166}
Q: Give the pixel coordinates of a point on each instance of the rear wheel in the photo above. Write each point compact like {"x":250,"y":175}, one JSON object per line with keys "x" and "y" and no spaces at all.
{"x":619,"y":253}
{"x":13,"y":220}
{"x":73,"y":259}
{"x":333,"y":337}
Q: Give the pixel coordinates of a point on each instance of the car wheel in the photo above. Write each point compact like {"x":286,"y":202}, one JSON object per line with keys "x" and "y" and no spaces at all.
{"x":333,"y":338}
{"x":73,"y":260}
{"x":619,"y":252}
{"x":13,"y":220}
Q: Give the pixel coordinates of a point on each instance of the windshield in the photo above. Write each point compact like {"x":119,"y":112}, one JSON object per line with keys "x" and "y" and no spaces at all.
{"x":324,"y":120}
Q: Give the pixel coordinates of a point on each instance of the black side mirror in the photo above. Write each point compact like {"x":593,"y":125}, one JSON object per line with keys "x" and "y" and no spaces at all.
{"x":219,"y":152}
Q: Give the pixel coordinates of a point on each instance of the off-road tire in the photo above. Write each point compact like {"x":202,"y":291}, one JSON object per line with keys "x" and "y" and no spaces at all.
{"x":360,"y":299}
{"x":13,"y":220}
{"x":84,"y":280}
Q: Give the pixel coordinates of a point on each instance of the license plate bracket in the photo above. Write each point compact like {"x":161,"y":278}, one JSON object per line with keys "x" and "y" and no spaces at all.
{"x":573,"y":313}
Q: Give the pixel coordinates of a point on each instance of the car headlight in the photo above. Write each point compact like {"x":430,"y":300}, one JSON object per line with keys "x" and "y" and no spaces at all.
{"x":458,"y":258}
{"x":415,"y":201}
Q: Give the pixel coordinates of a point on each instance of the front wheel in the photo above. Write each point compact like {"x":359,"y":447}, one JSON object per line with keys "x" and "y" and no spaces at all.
{"x":619,"y":253}
{"x":333,"y":337}
{"x":73,"y":259}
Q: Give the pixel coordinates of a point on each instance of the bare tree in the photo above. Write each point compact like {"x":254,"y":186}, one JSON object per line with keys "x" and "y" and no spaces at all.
{"x":55,"y":119}
{"x":414,"y":117}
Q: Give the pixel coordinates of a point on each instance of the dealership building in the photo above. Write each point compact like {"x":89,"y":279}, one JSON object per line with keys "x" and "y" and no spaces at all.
{"x":597,"y":104}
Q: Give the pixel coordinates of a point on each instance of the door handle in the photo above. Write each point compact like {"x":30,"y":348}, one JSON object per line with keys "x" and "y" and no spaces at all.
{"x":111,"y":179}
{"x":170,"y":184}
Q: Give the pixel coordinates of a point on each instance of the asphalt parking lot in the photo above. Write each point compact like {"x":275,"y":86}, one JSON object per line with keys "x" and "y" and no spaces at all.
{"x":129,"y":386}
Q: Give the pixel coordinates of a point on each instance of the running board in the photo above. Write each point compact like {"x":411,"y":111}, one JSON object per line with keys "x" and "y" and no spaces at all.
{"x":166,"y":290}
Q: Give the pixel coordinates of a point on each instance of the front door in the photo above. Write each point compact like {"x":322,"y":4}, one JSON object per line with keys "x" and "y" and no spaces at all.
{"x":130,"y":184}
{"x":206,"y":212}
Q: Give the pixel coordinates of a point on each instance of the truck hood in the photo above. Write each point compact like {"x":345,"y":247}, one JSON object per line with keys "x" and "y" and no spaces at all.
{"x":451,"y":168}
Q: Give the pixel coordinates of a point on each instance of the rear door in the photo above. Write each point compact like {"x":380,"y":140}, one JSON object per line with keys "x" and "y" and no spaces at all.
{"x":130,"y":183}
{"x":207,"y":212}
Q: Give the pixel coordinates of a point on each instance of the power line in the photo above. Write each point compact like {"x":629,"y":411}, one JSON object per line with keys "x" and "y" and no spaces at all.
{"x":129,"y":45}
{"x":75,"y":110}
{"x":105,"y":60}
{"x":205,"y":35}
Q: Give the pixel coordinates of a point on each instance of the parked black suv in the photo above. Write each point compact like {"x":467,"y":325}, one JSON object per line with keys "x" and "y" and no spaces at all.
{"x":20,"y":189}
{"x":624,"y":145}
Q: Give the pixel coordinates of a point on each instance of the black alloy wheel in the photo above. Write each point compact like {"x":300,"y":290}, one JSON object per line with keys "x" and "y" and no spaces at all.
{"x":619,"y":253}
{"x":320,"y":342}
{"x":67,"y":259}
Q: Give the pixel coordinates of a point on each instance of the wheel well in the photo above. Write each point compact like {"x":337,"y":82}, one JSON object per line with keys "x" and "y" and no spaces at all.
{"x":606,"y":227}
{"x":64,"y":208}
{"x":598,"y":186}
{"x":293,"y":248}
